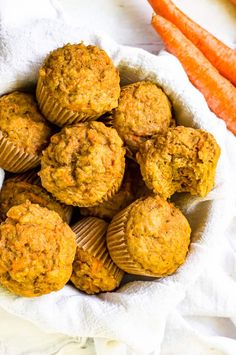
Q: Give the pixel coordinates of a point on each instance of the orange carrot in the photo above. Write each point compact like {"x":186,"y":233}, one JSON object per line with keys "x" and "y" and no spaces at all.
{"x":220,"y":55}
{"x":219,"y":93}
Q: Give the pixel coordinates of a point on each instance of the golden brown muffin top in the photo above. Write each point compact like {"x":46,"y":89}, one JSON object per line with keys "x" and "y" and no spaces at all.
{"x":183,"y":160}
{"x":90,"y":275}
{"x":158,"y":235}
{"x":14,"y":193}
{"x":84,"y":164}
{"x":81,"y":78}
{"x":37,"y":250}
{"x":143,"y":111}
{"x":22,"y":123}
{"x":132,"y":188}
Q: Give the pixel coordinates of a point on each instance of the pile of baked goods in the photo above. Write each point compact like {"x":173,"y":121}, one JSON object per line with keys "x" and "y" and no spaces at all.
{"x":107,"y":158}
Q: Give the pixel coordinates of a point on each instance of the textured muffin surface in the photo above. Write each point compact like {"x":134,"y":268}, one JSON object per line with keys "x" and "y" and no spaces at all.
{"x":183,"y":160}
{"x":132,"y":188}
{"x":37,"y":250}
{"x":158,"y":235}
{"x":90,"y":275}
{"x":84,"y":164}
{"x":14,"y":193}
{"x":81,"y":78}
{"x":150,"y":237}
{"x":22,"y":123}
{"x":143,"y":111}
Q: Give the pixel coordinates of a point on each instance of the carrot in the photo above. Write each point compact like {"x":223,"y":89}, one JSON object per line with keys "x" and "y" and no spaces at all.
{"x":220,"y":55}
{"x":219,"y":93}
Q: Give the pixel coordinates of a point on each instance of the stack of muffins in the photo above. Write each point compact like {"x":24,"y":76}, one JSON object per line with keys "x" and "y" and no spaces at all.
{"x":111,"y":156}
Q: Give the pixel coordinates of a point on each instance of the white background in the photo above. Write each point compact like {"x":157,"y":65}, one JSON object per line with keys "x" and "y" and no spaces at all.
{"x":128,"y":21}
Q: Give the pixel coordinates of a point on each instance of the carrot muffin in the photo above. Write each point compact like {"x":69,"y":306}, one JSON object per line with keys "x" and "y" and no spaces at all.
{"x":37,"y":250}
{"x":23,"y":132}
{"x":143,"y":111}
{"x":132,"y":188}
{"x":84,"y":164}
{"x":77,"y":83}
{"x":150,"y":237}
{"x":93,"y":269}
{"x":183,"y":160}
{"x":15,"y":192}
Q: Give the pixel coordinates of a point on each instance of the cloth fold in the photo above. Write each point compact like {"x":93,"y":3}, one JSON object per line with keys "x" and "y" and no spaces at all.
{"x":138,"y":312}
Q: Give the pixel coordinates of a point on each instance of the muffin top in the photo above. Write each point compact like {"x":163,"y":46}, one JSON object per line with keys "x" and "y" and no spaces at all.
{"x":132,"y":188}
{"x":89,"y":274}
{"x":36,"y":251}
{"x":183,"y":160}
{"x":157,"y":235}
{"x":84,"y":164}
{"x":14,"y":193}
{"x":82,"y":78}
{"x":22,"y":123}
{"x":143,"y":111}
{"x":93,"y":269}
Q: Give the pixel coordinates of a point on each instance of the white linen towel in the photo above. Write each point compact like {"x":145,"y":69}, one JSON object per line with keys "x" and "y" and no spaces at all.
{"x":137,"y":313}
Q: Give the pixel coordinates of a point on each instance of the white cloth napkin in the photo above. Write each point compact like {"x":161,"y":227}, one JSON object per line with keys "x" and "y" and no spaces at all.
{"x":138,"y":312}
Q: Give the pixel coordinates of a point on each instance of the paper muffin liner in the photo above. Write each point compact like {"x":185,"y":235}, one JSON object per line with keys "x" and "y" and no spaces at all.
{"x":14,"y":159}
{"x":90,"y":237}
{"x":117,"y":244}
{"x":107,"y":120}
{"x":31,"y":177}
{"x":54,"y":112}
{"x":111,"y":192}
{"x":68,"y":213}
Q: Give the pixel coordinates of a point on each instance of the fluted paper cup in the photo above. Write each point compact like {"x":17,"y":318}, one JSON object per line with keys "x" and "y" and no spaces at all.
{"x":14,"y":159}
{"x":54,"y":112}
{"x":91,"y":238}
{"x":117,"y":244}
